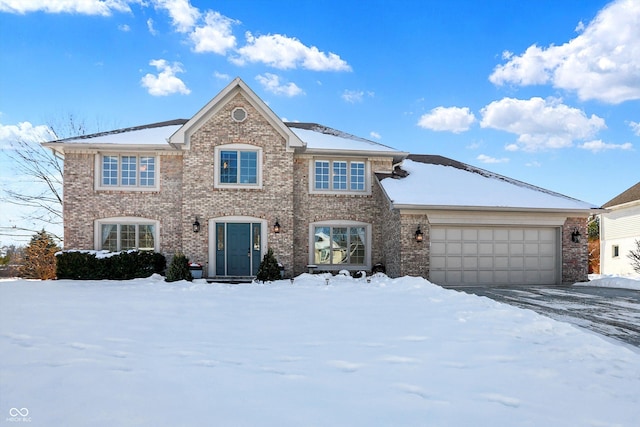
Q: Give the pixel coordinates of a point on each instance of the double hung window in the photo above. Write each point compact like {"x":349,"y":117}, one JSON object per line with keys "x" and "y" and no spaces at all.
{"x":339,"y":176}
{"x":238,"y":166}
{"x":122,"y":236}
{"x":340,"y":245}
{"x":128,"y":171}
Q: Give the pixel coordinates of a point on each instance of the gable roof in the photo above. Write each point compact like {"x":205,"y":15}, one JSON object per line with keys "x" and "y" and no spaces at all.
{"x":630,"y":195}
{"x":436,"y":182}
{"x":323,"y":139}
{"x":145,"y":136}
{"x":183,"y":134}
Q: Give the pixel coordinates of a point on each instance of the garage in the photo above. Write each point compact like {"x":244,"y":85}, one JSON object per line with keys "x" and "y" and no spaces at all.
{"x":466,"y":255}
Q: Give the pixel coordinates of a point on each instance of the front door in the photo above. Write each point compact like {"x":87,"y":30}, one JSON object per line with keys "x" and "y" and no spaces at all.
{"x":238,"y":248}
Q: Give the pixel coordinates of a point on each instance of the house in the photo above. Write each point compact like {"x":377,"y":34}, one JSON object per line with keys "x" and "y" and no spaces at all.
{"x":619,"y":230}
{"x":234,"y":180}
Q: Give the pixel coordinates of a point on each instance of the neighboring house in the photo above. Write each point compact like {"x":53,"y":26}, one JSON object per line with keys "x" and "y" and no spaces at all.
{"x":619,"y":230}
{"x":234,"y":180}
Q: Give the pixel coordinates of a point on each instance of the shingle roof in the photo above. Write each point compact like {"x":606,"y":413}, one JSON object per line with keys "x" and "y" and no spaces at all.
{"x":94,"y":136}
{"x":630,"y":195}
{"x":436,"y":181}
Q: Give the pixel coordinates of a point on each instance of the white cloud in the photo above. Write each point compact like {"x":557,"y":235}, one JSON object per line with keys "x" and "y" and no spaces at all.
{"x":215,"y":35}
{"x":598,"y":145}
{"x":635,"y":127}
{"x":151,"y":28}
{"x":451,"y":119}
{"x":284,"y":52}
{"x":24,"y":131}
{"x":375,"y":135}
{"x":85,"y":7}
{"x":221,"y":76}
{"x":540,"y":123}
{"x":183,"y":15}
{"x":533,"y":164}
{"x":124,"y":27}
{"x":602,"y":63}
{"x":353,"y":96}
{"x":488,"y":159}
{"x":166,"y":82}
{"x":271,"y":83}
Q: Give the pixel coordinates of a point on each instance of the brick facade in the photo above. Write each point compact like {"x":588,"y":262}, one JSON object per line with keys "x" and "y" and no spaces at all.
{"x":187,"y":191}
{"x":575,"y":256}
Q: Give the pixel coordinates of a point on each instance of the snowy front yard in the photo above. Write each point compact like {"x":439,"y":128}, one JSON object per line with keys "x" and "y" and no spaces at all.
{"x":397,"y":352}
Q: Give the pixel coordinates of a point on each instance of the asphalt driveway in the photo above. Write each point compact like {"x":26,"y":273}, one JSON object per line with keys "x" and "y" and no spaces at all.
{"x":614,"y":313}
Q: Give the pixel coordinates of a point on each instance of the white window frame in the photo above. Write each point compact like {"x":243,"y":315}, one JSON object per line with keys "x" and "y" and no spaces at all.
{"x":99,"y":186}
{"x":238,"y":148}
{"x":126,"y":221}
{"x":338,"y":223}
{"x":331,"y":190}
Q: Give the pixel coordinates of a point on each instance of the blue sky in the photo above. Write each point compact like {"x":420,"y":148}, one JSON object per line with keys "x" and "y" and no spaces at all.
{"x":544,"y":91}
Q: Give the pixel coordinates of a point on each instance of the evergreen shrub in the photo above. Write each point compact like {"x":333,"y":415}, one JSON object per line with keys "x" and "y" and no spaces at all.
{"x":179,"y":269}
{"x":124,"y":265}
{"x":269,"y":270}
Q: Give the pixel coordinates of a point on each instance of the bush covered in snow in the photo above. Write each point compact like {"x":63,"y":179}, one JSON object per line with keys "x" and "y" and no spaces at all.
{"x":99,"y":265}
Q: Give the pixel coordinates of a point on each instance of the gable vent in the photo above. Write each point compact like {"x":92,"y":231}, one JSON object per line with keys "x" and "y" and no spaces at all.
{"x":239,"y":114}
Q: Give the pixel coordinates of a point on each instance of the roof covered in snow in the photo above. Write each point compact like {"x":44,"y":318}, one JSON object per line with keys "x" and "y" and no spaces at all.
{"x":151,"y":134}
{"x":438,"y":182}
{"x":322,"y":138}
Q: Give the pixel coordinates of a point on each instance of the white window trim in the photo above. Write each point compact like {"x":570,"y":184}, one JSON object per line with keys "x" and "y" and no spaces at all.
{"x":125,"y":220}
{"x":338,"y":223}
{"x":98,"y":186}
{"x":237,"y":147}
{"x":367,"y":176}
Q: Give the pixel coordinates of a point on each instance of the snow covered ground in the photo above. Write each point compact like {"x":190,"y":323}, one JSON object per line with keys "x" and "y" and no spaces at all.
{"x":613,"y":281}
{"x":392,"y":352}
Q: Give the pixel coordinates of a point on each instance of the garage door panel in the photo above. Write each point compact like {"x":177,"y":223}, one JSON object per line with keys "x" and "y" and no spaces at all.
{"x":470,"y":263}
{"x":500,"y":255}
{"x":501,"y":249}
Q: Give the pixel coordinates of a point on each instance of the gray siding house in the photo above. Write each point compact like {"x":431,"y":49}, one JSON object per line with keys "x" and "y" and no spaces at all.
{"x":234,"y":180}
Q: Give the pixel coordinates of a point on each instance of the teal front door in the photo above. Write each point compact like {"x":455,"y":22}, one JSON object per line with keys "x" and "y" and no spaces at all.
{"x":238,"y":249}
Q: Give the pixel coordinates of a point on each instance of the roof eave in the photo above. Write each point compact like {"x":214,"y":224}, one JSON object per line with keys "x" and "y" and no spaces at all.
{"x":78,"y":146}
{"x":568,"y":211}
{"x":359,"y":153}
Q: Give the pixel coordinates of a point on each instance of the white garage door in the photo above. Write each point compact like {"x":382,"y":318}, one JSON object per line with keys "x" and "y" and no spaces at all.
{"x":493,"y":256}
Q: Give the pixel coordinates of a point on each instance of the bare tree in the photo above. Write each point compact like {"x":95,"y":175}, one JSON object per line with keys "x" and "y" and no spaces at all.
{"x":634,"y":256}
{"x":40,"y":173}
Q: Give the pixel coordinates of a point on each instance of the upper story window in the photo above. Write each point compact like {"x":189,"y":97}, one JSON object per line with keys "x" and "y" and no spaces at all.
{"x":339,"y":176}
{"x":131,"y":172}
{"x":238,"y":166}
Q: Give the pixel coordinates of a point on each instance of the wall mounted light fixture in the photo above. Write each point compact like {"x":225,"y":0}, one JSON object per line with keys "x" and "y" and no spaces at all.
{"x":276,"y":227}
{"x":419,"y":236}
{"x":196,"y":225}
{"x":575,"y":236}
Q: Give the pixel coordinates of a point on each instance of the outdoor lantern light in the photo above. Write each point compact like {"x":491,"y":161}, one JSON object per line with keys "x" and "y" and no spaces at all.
{"x":276,"y":227}
{"x":575,"y":236}
{"x":196,"y":225}
{"x":419,"y":235}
